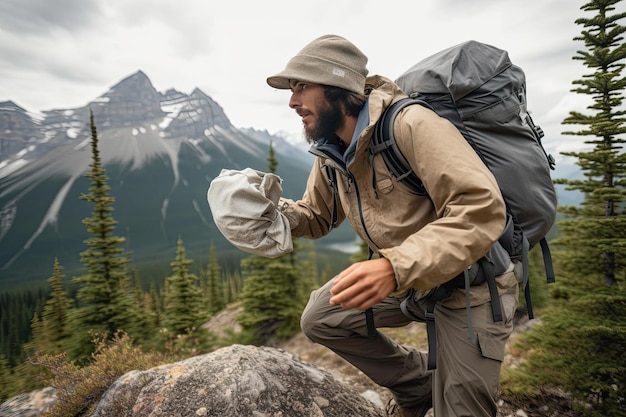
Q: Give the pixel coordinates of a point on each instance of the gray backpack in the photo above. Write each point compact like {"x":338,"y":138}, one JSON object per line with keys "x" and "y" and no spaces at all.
{"x":483,"y":94}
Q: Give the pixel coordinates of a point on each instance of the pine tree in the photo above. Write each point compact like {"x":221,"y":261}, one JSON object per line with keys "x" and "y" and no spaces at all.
{"x":594,"y":235}
{"x":183,"y":298}
{"x":105,"y":295}
{"x":155,"y":306}
{"x":312,"y":278}
{"x":272,"y":301}
{"x":215,"y":291}
{"x":579,"y":346}
{"x":17,"y":309}
{"x":272,"y":162}
{"x":234,"y":285}
{"x":362,"y":254}
{"x":51,"y":331}
{"x":184,"y":313}
{"x":5,"y":379}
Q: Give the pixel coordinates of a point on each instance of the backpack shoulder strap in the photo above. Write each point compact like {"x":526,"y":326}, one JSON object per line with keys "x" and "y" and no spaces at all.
{"x":384,"y":143}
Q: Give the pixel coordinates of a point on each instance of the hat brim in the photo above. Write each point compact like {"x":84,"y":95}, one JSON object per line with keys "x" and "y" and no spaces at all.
{"x":312,"y":69}
{"x":302,"y":68}
{"x":280,"y":81}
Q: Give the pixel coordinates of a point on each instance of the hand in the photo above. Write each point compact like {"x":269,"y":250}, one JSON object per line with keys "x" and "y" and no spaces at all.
{"x":363,"y":284}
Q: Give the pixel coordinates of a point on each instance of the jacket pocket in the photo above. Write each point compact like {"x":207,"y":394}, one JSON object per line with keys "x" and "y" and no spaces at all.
{"x":382,"y":176}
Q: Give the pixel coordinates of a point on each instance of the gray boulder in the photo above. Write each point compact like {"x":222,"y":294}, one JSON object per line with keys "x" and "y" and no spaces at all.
{"x":32,"y":404}
{"x":237,"y":381}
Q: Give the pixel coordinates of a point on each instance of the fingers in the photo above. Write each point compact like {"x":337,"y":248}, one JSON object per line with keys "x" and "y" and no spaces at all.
{"x":360,"y":302}
{"x":347,"y":278}
{"x":363,"y":284}
{"x":361,"y":294}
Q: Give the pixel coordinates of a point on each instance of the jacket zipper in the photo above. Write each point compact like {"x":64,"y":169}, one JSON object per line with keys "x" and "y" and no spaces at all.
{"x":358,"y":199}
{"x":345,"y":171}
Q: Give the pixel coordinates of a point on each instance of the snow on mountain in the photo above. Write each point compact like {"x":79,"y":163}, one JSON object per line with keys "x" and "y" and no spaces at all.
{"x":161,"y":151}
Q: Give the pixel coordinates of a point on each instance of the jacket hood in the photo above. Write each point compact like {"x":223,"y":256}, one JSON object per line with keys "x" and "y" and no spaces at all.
{"x":382,"y":92}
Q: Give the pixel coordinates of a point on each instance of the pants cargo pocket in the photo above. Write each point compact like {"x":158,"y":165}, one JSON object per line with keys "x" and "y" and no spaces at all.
{"x":489,"y":347}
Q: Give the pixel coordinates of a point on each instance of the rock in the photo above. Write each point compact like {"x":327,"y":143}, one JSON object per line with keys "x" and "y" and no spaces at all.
{"x":223,"y":323}
{"x":373,"y":396}
{"x":19,"y":129}
{"x":248,"y":381}
{"x":29,"y":405}
{"x":234,"y":381}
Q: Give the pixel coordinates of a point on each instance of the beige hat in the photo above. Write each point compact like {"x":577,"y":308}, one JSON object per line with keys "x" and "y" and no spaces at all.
{"x":328,"y":60}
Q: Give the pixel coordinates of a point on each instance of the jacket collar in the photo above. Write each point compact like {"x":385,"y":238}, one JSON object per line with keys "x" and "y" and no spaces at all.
{"x":362,"y":122}
{"x":335,"y":149}
{"x":382,"y":92}
{"x":332,"y":148}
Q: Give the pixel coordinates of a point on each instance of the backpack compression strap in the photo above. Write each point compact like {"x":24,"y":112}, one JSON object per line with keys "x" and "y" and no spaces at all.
{"x":442,"y":292}
{"x":385,"y":143}
{"x":547,"y":262}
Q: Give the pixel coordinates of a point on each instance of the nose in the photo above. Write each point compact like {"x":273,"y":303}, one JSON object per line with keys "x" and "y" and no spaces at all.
{"x":294,"y":101}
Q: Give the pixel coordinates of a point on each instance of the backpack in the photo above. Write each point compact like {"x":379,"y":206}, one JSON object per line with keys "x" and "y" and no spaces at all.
{"x":477,"y":88}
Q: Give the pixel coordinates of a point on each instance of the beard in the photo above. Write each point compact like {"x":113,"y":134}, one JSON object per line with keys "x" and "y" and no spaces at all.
{"x":330,"y":119}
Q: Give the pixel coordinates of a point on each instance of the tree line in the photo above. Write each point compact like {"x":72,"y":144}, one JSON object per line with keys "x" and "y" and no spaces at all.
{"x":108,"y":299}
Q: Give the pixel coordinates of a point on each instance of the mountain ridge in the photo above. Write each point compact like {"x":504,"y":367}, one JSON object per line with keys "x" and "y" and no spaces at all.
{"x":160,"y":150}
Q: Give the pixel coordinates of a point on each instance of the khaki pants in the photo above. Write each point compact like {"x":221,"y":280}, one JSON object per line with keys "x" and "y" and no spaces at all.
{"x":467,"y":376}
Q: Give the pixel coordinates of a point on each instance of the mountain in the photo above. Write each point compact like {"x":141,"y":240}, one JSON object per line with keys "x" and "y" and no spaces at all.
{"x":160,"y":150}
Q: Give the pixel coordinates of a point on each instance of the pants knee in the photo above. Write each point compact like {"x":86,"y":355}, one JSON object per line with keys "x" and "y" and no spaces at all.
{"x":462,"y":399}
{"x":310,"y":326}
{"x":305,"y":323}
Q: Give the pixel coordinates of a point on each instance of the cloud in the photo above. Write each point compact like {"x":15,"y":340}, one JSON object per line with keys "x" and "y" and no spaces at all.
{"x":40,"y":16}
{"x":64,"y":53}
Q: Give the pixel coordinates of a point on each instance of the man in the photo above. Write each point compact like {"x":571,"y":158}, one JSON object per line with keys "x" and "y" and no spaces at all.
{"x":420,"y":241}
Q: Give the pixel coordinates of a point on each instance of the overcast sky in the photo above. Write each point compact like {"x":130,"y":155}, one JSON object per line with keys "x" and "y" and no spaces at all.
{"x":65,"y":53}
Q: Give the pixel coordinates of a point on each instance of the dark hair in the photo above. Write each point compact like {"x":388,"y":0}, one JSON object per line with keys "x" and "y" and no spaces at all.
{"x":352,"y":102}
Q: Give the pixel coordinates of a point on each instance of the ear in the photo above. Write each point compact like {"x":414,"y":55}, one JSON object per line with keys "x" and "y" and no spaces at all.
{"x":344,"y":109}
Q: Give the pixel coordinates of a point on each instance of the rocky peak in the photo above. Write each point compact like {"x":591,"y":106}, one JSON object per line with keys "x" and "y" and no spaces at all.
{"x":216,"y":114}
{"x":194,"y":115}
{"x":172,"y":94}
{"x":10,"y":106}
{"x":136,"y":86}
{"x":17,"y":128}
{"x":130,"y":102}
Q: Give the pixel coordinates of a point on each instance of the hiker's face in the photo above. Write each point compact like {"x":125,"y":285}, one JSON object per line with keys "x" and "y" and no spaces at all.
{"x":320,"y":118}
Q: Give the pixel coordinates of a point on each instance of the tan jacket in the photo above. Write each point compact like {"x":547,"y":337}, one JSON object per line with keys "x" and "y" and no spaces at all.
{"x":426,"y":245}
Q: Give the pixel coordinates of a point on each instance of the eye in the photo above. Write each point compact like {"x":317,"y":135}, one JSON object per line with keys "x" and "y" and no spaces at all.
{"x":298,"y":86}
